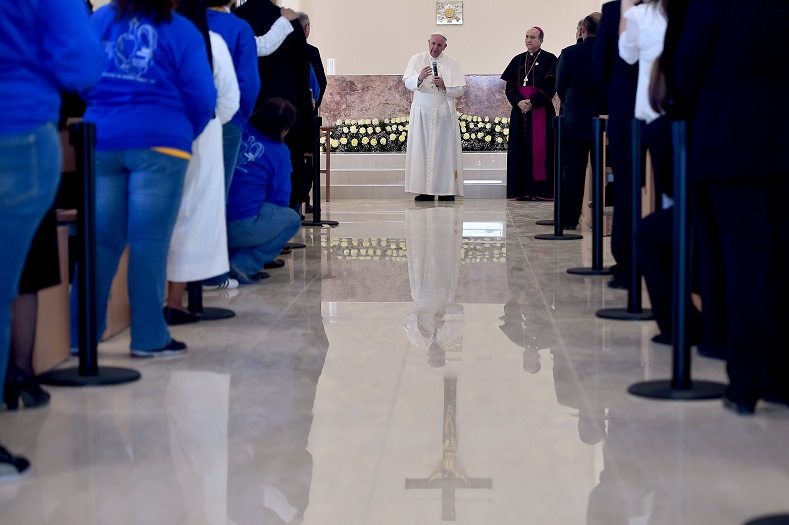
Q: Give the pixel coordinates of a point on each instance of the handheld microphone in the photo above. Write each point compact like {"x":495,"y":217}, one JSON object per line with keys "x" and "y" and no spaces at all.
{"x":435,"y":69}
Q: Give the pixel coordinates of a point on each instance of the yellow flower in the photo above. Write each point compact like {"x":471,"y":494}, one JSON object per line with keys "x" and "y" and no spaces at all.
{"x":339,"y":122}
{"x":487,"y":119}
{"x":383,"y":142}
{"x":499,"y":140}
{"x":369,"y":129}
{"x":506,"y":131}
{"x":466,"y":136}
{"x":375,"y":121}
{"x":373,"y":142}
{"x":365,"y":140}
{"x":392,"y":136}
{"x":487,"y":126}
{"x":497,"y":119}
{"x":347,"y":121}
{"x":334,"y":143}
{"x":487,"y":138}
{"x":343,"y":141}
{"x":377,"y":129}
{"x":345,"y":129}
{"x":353,"y":129}
{"x":362,"y":131}
{"x":498,"y":129}
{"x":354,"y":142}
{"x":480,"y":135}
{"x":401,"y":138}
{"x":323,"y":139}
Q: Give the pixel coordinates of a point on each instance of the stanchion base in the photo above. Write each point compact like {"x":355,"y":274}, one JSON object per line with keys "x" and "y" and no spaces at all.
{"x":563,"y":237}
{"x":331,"y":224}
{"x":108,"y":375}
{"x":777,"y":519}
{"x":588,"y":271}
{"x":622,"y":314}
{"x":662,"y":389}
{"x":546,"y":222}
{"x":215,"y":314}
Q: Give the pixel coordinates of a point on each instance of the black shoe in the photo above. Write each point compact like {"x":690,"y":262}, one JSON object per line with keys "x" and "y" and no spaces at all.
{"x":263,"y":275}
{"x":446,"y":198}
{"x":308,"y":208}
{"x":173,"y":348}
{"x":574,"y":227}
{"x":742,"y":409}
{"x":276,"y":263}
{"x":20,"y":384}
{"x":617,"y":284}
{"x":663,"y":339}
{"x":175,"y":317}
{"x":11,"y":467}
{"x":422,"y":197}
{"x":525,"y":199}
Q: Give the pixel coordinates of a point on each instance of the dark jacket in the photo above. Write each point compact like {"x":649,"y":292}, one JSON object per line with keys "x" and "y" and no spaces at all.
{"x":314,"y":57}
{"x":618,"y":76}
{"x":581,"y":94}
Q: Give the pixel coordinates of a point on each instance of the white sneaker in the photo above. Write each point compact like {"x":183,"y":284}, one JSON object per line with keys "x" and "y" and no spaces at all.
{"x":227,"y":284}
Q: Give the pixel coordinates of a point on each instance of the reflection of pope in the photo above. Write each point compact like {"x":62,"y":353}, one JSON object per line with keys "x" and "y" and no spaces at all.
{"x":433,"y":241}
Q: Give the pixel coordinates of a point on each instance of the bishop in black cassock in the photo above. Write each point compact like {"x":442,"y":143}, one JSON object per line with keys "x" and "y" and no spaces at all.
{"x":531,"y":86}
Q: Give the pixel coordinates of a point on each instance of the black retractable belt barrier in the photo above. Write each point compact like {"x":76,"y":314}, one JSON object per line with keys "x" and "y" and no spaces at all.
{"x":633,"y":312}
{"x":83,"y":137}
{"x":316,"y":186}
{"x":680,"y":387}
{"x":558,"y":172}
{"x":598,"y":181}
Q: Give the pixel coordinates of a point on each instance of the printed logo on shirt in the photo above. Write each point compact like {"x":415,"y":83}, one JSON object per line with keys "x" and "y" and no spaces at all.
{"x":133,"y":52}
{"x":250,"y":150}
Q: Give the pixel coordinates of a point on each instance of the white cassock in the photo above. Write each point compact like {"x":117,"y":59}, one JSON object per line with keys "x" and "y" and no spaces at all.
{"x":433,"y":159}
{"x":434,"y":238}
{"x":198,"y":247}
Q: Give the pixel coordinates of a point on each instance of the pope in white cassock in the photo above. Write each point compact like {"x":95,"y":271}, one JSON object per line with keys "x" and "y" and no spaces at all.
{"x":433,"y":161}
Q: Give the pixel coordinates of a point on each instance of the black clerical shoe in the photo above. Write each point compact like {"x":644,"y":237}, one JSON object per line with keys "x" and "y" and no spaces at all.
{"x":617,"y":284}
{"x":422,"y":197}
{"x":446,"y":198}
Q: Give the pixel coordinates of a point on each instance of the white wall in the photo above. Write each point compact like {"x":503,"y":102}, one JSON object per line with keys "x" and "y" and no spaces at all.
{"x":379,"y":36}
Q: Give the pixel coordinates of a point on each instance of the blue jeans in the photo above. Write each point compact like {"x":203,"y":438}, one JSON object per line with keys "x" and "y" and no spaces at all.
{"x":231,"y":143}
{"x":258,"y":240}
{"x":138,"y":193}
{"x":29,"y":177}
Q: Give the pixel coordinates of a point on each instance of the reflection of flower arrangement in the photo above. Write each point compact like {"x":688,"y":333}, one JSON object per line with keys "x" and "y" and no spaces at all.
{"x":475,"y":249}
{"x":391,"y":135}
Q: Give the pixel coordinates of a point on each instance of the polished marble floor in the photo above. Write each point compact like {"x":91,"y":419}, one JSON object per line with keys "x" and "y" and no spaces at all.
{"x":414,"y":365}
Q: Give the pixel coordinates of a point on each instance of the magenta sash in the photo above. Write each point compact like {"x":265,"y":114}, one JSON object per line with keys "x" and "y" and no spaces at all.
{"x":538,"y":135}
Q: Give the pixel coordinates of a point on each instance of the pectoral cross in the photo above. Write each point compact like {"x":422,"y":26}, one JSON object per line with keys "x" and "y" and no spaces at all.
{"x":448,"y":478}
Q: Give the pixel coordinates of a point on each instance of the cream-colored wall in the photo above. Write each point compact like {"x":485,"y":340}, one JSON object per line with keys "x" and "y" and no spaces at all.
{"x":379,"y":36}
{"x":367,"y":37}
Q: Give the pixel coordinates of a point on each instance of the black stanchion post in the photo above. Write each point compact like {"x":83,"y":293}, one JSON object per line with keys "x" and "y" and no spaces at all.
{"x":598,"y":183}
{"x":680,"y":386}
{"x":194,"y":294}
{"x":83,"y":137}
{"x":558,"y":173}
{"x":316,"y":185}
{"x":634,"y":311}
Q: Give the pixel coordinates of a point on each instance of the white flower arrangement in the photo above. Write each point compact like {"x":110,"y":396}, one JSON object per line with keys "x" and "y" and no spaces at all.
{"x":390,"y":135}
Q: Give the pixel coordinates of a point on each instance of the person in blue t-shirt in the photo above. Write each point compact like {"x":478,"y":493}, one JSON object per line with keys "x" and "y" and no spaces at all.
{"x":259,"y":219}
{"x":155,"y":96}
{"x":45,"y":46}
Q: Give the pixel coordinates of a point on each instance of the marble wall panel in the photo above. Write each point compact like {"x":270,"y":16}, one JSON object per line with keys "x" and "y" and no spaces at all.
{"x":384,"y":96}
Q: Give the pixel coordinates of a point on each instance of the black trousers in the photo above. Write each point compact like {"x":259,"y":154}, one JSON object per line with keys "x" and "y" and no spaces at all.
{"x":754,"y":252}
{"x":576,"y":159}
{"x":621,"y":232}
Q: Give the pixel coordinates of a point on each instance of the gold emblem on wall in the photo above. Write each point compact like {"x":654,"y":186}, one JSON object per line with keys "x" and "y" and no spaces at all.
{"x":449,"y":12}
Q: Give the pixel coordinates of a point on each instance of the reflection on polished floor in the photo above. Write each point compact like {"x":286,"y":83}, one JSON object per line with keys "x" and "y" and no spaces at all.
{"x":416,"y":364}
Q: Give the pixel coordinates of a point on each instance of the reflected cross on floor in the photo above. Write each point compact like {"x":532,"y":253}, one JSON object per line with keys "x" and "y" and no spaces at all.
{"x":448,"y":478}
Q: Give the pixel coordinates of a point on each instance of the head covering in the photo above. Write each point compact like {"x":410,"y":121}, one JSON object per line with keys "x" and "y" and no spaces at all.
{"x":439,"y":33}
{"x":542,"y":33}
